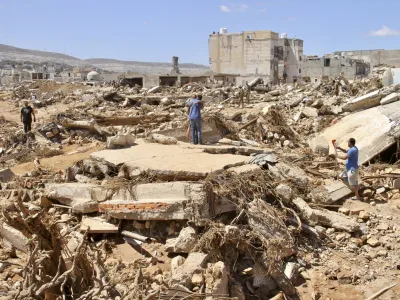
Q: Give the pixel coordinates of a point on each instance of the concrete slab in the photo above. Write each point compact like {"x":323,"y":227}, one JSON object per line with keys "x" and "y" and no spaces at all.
{"x":372,"y":128}
{"x":83,"y":197}
{"x":330,"y":193}
{"x":97,"y":225}
{"x":364,"y":102}
{"x":168,"y":201}
{"x":393,"y":97}
{"x":245,"y":169}
{"x":170,"y":161}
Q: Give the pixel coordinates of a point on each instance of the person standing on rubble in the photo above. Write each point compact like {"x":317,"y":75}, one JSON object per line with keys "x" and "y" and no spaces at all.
{"x":26,"y":116}
{"x":241,"y":96}
{"x":248,"y":93}
{"x":351,"y":172}
{"x":194,"y":111}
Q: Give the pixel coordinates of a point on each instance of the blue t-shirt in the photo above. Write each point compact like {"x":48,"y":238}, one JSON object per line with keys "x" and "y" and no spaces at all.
{"x":195,"y":109}
{"x":352,"y":161}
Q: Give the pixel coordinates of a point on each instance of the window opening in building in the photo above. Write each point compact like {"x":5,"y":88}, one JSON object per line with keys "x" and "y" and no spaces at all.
{"x":327,"y":62}
{"x":299,"y":70}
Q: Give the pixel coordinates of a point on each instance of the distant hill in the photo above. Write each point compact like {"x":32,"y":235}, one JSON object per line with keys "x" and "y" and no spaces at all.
{"x":19,"y":54}
{"x":114,"y":65}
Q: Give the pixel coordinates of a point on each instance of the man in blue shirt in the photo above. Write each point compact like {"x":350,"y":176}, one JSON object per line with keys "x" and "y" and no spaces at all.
{"x":194,"y":111}
{"x":351,"y":171}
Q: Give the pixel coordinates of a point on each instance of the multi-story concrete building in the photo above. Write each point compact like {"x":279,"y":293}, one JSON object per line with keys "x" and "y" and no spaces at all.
{"x":256,"y":54}
{"x":331,"y":65}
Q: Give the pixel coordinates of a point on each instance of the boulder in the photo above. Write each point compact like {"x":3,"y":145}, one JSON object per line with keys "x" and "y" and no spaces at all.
{"x":120,"y":141}
{"x":176,"y":262}
{"x":285,"y":192}
{"x":184,"y":243}
{"x":166,"y":101}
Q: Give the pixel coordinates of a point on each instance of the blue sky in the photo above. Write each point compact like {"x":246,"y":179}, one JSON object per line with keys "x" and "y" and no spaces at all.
{"x":155,"y":30}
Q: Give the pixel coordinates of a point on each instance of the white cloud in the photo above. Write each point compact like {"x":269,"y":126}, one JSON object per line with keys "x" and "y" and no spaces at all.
{"x":224,"y":8}
{"x":234,"y":8}
{"x":384,"y":31}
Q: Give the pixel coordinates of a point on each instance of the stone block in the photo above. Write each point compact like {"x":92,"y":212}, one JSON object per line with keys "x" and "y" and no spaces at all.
{"x":15,"y":237}
{"x":285,"y":192}
{"x":184,"y":243}
{"x":120,"y":141}
{"x":97,"y":225}
{"x":310,"y":112}
{"x":364,"y":102}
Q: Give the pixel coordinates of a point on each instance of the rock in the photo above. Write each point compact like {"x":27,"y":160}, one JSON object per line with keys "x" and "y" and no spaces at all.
{"x":364,"y":215}
{"x":231,"y":232}
{"x":162,"y":139}
{"x":15,"y":237}
{"x":326,"y":217}
{"x":285,"y":192}
{"x":292,"y":271}
{"x":193,"y":264}
{"x":75,"y":240}
{"x":6,"y":175}
{"x":368,"y":193}
{"x":166,"y":101}
{"x":319,"y":145}
{"x":219,"y":283}
{"x":393,"y":97}
{"x":345,"y":277}
{"x":184,"y":243}
{"x":344,"y":210}
{"x":226,"y":141}
{"x":310,"y":112}
{"x":382,"y":226}
{"x":263,"y":159}
{"x":197,"y":279}
{"x":380,"y":190}
{"x":120,"y":140}
{"x":50,"y":134}
{"x":382,"y":253}
{"x":373,"y":242}
{"x":176,"y":262}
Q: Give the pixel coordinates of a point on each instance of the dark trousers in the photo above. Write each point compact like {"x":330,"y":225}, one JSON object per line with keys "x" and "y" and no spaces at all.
{"x":27,"y":126}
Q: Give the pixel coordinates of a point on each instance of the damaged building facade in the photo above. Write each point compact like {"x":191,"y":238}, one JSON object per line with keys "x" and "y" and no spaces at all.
{"x":256,"y":54}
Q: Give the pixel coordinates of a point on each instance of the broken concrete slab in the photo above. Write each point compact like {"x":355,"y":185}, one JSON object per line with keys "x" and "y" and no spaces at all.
{"x":381,"y":121}
{"x":170,"y":162}
{"x":284,"y":171}
{"x":393,"y":97}
{"x":97,"y":225}
{"x":15,"y":237}
{"x":179,"y":200}
{"x":364,"y":102}
{"x":330,"y":193}
{"x":326,"y":217}
{"x":195,"y":262}
{"x":184,"y":243}
{"x":6,"y":175}
{"x":82,"y":197}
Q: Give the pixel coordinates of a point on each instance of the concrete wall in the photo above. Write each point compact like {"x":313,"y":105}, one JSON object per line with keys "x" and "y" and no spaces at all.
{"x":374,"y":57}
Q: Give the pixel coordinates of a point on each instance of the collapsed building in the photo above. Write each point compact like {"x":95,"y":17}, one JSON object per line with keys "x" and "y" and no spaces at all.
{"x":106,"y":199}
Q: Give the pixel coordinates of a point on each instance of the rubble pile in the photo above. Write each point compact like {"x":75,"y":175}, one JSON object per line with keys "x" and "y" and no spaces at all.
{"x":257,"y":212}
